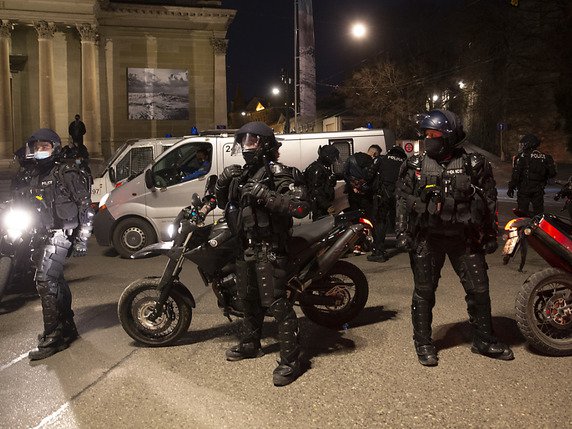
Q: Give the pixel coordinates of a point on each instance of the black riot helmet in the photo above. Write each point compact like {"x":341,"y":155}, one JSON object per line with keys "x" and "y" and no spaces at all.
{"x":529,"y":142}
{"x":256,"y":140}
{"x":397,"y":151}
{"x":328,"y":154}
{"x":44,"y":135}
{"x":447,"y":132}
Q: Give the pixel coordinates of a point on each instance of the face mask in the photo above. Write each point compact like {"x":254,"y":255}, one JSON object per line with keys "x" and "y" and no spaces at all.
{"x":434,"y":147}
{"x":249,"y":156}
{"x":42,"y":154}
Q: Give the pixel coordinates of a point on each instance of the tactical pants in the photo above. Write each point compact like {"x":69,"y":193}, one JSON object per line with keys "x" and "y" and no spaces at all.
{"x":383,"y":221}
{"x":54,"y":291}
{"x":427,"y":260}
{"x":262,"y":287}
{"x":524,"y":199}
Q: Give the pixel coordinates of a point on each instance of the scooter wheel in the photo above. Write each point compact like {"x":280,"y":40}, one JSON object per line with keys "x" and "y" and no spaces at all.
{"x":135,"y":309}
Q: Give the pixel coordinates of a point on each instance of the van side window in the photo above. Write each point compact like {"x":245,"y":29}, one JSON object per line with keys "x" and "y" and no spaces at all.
{"x":187,"y":162}
{"x":346,"y":148}
{"x":133,"y":162}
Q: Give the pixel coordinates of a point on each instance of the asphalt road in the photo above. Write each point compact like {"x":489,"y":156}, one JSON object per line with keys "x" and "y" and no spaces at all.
{"x":365,"y":376}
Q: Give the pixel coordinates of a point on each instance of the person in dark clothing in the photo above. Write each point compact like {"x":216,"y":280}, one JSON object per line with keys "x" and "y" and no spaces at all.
{"x":261,"y":199}
{"x":77,"y":130}
{"x":59,"y":194}
{"x":78,"y":154}
{"x":321,"y":181}
{"x":385,"y":173}
{"x":357,"y":174}
{"x":446,"y":206}
{"x":530,"y":173}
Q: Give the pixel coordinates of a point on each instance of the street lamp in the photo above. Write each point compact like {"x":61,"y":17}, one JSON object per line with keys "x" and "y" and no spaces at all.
{"x":359,"y":30}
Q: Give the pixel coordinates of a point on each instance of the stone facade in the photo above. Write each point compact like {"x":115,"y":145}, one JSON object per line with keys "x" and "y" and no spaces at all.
{"x":62,"y":57}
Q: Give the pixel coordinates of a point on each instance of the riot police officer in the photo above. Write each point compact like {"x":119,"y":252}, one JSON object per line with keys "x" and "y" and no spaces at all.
{"x":321,"y":181}
{"x":385,"y":172}
{"x":265,"y":195}
{"x":446,"y":206}
{"x":530,"y":173}
{"x":60,"y":196}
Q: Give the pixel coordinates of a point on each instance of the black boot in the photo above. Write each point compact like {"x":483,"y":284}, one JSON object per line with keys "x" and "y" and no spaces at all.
{"x":49,"y":345}
{"x":484,"y":342}
{"x":244,"y":351}
{"x":427,"y":355}
{"x":422,"y":316}
{"x":69,"y":331}
{"x":377,"y":256}
{"x":286,"y":372}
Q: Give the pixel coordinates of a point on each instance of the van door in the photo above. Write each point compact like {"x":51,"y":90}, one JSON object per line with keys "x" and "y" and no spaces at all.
{"x":228,"y":158}
{"x":133,"y":162}
{"x":177,"y":175}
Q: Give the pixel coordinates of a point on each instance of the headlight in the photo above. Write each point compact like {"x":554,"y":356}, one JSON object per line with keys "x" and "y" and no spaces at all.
{"x":103,"y":200}
{"x":16,"y":221}
{"x":171,"y":230}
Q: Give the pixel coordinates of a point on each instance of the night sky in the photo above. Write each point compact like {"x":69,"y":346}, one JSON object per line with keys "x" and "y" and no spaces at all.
{"x":262,"y":41}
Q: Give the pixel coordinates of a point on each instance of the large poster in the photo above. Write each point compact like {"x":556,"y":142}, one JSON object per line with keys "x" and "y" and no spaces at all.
{"x":158,"y":93}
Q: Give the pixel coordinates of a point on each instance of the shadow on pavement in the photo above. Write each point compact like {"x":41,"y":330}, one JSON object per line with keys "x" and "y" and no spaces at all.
{"x":101,"y":316}
{"x":371,"y":315}
{"x":18,"y":294}
{"x":455,"y":334}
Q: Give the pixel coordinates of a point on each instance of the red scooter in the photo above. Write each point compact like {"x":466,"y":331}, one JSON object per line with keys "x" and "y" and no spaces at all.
{"x":544,"y":302}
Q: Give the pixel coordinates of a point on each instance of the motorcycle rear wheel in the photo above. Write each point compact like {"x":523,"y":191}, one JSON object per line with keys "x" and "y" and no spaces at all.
{"x":5,"y":269}
{"x":345,"y":281}
{"x":136,"y":304}
{"x":540,"y":296}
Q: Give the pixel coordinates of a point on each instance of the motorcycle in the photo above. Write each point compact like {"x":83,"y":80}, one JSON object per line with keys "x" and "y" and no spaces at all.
{"x":16,"y":236}
{"x":330,"y":292}
{"x":544,"y":302}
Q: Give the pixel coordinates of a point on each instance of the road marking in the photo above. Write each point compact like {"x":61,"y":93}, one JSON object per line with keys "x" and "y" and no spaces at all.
{"x":12,"y":362}
{"x":52,"y":417}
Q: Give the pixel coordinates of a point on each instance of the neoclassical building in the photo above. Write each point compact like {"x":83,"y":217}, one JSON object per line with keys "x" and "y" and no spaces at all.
{"x":130,"y":69}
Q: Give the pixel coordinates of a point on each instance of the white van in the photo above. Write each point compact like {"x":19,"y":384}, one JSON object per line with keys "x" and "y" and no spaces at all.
{"x":139,"y":212}
{"x":128,"y":160}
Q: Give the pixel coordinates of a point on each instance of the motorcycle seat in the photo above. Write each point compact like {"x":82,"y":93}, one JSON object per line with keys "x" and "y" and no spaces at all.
{"x":305,"y":235}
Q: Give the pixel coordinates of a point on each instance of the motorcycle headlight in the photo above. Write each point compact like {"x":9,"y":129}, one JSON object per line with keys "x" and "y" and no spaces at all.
{"x":171,"y":230}
{"x":16,"y":221}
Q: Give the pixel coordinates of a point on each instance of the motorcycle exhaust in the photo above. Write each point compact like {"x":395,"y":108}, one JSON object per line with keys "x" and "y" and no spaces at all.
{"x":327,"y":260}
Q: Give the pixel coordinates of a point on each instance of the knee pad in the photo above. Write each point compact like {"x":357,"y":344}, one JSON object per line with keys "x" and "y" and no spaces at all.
{"x":473,"y":269}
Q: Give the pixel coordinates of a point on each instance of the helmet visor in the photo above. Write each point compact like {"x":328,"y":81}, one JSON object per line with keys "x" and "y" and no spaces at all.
{"x":246,"y":142}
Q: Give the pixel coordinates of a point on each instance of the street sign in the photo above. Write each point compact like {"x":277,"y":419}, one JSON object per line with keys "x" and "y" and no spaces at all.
{"x":502,"y":126}
{"x":408,"y":147}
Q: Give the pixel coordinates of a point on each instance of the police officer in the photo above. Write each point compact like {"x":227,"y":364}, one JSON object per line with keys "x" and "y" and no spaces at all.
{"x":321,"y":181}
{"x":446,"y":206}
{"x":385,"y":172}
{"x":267,"y":195}
{"x":530,"y":173}
{"x":77,"y":153}
{"x":59,"y":193}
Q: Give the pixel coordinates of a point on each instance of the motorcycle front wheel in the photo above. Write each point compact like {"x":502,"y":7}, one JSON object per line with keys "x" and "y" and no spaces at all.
{"x":543,"y":311}
{"x":136,"y":306}
{"x":5,"y":269}
{"x":348,"y":285}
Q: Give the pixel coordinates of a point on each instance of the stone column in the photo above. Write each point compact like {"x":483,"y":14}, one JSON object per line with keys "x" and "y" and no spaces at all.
{"x":46,"y":73}
{"x":219,"y":52}
{"x":90,"y":102}
{"x":6,"y":135}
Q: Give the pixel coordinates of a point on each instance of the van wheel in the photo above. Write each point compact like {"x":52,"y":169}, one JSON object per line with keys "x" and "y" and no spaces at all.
{"x":131,"y":235}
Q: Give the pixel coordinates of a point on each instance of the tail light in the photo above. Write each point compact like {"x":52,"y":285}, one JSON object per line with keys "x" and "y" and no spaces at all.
{"x":366,"y":222}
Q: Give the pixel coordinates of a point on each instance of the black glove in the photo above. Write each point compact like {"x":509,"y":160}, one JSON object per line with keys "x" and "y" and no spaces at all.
{"x":510,"y":192}
{"x":256,"y":190}
{"x":79,"y":249}
{"x":490,"y":244}
{"x":404,"y":242}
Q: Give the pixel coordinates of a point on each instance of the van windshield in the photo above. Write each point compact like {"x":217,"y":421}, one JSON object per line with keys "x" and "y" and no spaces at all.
{"x":116,"y":154}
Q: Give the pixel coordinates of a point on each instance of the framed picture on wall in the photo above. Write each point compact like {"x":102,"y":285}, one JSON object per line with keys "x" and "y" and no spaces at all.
{"x":161,"y":94}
